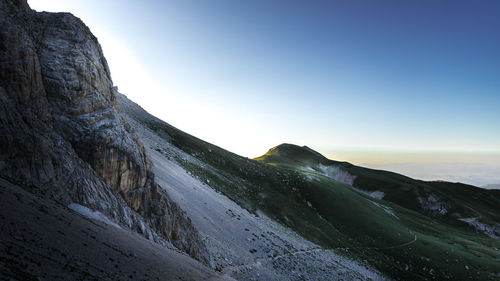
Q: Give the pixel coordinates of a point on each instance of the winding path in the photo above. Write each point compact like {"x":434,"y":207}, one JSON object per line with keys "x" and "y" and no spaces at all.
{"x":257,"y":262}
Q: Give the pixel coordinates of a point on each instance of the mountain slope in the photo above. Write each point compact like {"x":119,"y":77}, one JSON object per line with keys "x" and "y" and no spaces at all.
{"x":398,"y":241}
{"x":245,"y":243}
{"x":451,"y":202}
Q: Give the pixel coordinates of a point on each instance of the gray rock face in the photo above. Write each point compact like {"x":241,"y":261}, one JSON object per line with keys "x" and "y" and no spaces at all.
{"x":61,"y":131}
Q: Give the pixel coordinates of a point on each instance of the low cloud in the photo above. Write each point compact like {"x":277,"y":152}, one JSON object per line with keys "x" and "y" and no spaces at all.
{"x":477,"y":174}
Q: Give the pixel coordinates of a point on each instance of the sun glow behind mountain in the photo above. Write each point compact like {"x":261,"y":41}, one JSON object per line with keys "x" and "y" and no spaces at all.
{"x":380,"y":85}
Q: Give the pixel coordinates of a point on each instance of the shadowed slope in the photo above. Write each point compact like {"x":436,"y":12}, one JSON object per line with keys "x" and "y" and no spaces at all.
{"x":41,"y":239}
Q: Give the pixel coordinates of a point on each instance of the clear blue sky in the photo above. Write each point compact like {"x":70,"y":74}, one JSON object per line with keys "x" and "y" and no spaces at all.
{"x":373,"y":82}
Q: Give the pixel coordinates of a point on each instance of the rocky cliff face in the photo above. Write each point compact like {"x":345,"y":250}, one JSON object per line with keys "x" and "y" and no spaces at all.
{"x":61,"y":131}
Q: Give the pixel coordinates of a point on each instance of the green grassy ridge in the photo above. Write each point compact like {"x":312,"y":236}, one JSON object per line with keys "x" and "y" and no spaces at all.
{"x":459,"y":199}
{"x":338,"y":217}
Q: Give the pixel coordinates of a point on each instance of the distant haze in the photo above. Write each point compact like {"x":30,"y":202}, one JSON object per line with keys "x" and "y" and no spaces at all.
{"x":475,"y":168}
{"x":407,"y":86}
{"x":477,"y":174}
{"x":492,"y":186}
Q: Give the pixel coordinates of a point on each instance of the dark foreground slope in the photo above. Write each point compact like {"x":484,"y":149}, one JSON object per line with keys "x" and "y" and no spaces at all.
{"x":43,"y":240}
{"x":398,"y":241}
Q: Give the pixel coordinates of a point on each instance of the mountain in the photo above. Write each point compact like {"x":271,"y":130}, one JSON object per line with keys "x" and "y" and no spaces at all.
{"x":438,"y":199}
{"x":94,"y":187}
{"x":62,"y":136}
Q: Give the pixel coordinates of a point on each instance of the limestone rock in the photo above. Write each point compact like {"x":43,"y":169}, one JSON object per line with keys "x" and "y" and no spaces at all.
{"x":61,"y":131}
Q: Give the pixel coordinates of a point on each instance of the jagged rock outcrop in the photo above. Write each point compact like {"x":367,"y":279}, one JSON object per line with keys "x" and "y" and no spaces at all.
{"x":61,"y":131}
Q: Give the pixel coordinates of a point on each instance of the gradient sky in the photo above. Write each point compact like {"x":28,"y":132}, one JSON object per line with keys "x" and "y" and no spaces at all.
{"x":413,"y":86}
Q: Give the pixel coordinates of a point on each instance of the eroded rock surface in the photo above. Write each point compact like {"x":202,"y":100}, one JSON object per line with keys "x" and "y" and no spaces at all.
{"x":61,"y":131}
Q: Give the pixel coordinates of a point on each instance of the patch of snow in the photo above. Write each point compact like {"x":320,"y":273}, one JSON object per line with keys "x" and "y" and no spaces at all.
{"x":373,"y":194}
{"x":433,"y":204}
{"x":492,"y":231}
{"x":338,"y":174}
{"x":385,"y":208}
{"x":376,"y":194}
{"x":91,"y":214}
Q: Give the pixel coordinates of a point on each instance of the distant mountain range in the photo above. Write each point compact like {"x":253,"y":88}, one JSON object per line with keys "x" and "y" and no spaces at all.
{"x":492,"y":186}
{"x":93,"y":187}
